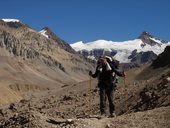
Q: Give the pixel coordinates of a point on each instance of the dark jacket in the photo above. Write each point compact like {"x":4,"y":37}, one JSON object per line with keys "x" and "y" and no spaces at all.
{"x":105,"y":75}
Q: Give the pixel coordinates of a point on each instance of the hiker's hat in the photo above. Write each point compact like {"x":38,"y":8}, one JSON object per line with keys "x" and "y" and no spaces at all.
{"x":108,"y":58}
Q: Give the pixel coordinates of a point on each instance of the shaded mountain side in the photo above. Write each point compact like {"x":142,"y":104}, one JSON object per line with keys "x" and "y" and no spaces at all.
{"x":163,"y":59}
{"x":139,"y":59}
{"x":143,"y":57}
{"x":157,"y":67}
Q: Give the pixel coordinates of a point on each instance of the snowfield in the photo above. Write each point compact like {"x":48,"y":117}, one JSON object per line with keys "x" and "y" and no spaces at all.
{"x":124,"y":49}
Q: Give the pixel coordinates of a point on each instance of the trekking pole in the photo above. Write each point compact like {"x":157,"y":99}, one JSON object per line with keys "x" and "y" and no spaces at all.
{"x":90,"y":92}
{"x":124,"y":80}
{"x":90,"y":82}
{"x":90,"y":87}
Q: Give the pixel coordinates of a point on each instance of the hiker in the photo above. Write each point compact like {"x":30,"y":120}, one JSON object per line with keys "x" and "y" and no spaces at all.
{"x":104,"y":72}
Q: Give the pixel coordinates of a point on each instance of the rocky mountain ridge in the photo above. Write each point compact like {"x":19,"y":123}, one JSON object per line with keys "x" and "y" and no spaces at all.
{"x":27,"y":44}
{"x":47,"y":32}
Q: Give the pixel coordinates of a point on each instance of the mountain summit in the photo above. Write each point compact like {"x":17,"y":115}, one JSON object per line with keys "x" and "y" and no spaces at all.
{"x":147,"y":38}
{"x":47,"y":32}
{"x":13,"y":23}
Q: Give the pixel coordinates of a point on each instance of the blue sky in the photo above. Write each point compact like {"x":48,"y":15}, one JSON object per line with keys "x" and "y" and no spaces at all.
{"x":90,"y":20}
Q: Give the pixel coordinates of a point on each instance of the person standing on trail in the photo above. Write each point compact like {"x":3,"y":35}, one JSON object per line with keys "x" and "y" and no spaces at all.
{"x":104,"y":72}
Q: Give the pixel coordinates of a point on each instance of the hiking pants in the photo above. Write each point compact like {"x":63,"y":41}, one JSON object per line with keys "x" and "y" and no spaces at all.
{"x":106,"y":90}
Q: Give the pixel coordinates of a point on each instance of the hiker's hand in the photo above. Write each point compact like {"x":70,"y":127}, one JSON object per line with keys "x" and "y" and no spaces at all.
{"x":90,"y":73}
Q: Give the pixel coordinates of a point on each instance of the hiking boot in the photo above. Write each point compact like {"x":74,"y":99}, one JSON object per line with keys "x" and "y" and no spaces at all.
{"x":112,"y":115}
{"x":103,"y":115}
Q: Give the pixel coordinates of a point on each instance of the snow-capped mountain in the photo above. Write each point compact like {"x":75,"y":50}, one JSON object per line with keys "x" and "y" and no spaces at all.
{"x":126,"y":51}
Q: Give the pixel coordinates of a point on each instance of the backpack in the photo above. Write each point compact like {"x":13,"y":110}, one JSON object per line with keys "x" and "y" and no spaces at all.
{"x":115,"y":78}
{"x":115,"y":63}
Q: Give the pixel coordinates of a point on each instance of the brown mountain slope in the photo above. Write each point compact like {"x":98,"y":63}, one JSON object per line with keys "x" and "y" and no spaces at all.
{"x":29,"y":58}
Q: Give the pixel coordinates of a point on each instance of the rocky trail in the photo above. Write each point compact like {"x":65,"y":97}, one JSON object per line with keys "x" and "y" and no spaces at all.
{"x":141,"y":104}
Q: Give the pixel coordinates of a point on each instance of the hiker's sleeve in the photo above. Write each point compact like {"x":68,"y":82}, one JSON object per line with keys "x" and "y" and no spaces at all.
{"x":96,"y":73}
{"x":108,"y":67}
